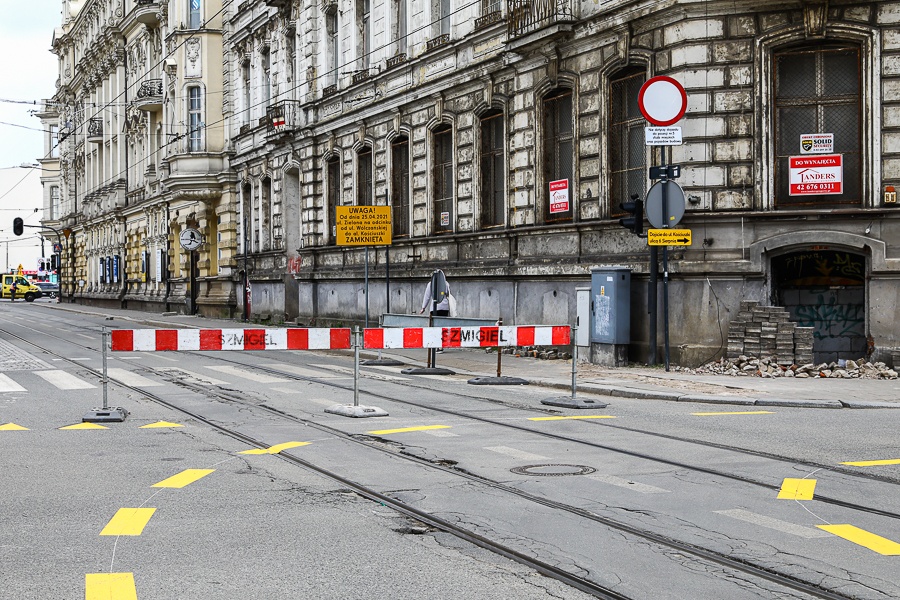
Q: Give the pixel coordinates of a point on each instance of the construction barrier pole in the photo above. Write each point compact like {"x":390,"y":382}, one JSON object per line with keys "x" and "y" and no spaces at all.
{"x":499,"y":352}
{"x":357,"y":342}
{"x":574,"y":360}
{"x":105,"y":337}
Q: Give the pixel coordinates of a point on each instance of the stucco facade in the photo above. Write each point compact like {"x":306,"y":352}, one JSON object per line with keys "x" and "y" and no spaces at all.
{"x":460,"y":115}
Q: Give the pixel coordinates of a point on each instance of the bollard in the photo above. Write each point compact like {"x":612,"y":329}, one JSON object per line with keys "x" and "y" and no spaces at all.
{"x":105,"y":414}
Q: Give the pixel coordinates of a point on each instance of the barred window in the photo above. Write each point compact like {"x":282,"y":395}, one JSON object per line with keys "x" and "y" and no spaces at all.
{"x":818,"y":91}
{"x":493,"y":167}
{"x":364,"y":177}
{"x":400,"y":187}
{"x":442,"y":179}
{"x":627,"y":147}
{"x":332,"y":195}
{"x":559,"y":150}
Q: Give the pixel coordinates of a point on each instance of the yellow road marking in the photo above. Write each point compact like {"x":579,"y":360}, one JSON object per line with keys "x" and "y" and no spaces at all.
{"x":12,"y":427}
{"x":873,"y":542}
{"x":160,"y":424}
{"x":106,"y":586}
{"x":186,"y":477}
{"x":405,"y":429}
{"x":128,"y":521}
{"x":860,"y":463}
{"x":797,"y":489}
{"x":275,"y":449}
{"x":740,"y":412}
{"x":572,"y":417}
{"x":84,"y":426}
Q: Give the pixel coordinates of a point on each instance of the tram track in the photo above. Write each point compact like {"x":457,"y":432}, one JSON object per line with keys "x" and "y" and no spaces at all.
{"x":377,"y":444}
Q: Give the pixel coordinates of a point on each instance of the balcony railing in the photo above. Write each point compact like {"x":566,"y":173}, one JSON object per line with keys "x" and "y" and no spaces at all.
{"x":488,"y":19}
{"x":95,"y":130}
{"x":329,"y":90}
{"x":150,"y":95}
{"x":528,"y":16}
{"x":281,"y":117}
{"x":396,"y":60}
{"x":438,"y":41}
{"x":360,"y":75}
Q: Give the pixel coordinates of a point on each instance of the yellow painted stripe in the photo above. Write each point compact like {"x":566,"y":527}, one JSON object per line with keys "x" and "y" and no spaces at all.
{"x":740,"y":412}
{"x":275,"y":449}
{"x":572,"y":417}
{"x":863,"y":463}
{"x":84,"y":426}
{"x":186,"y":477}
{"x":873,"y":542}
{"x":109,"y":586}
{"x":797,"y":489}
{"x":128,"y":521}
{"x":404,"y":430}
{"x":160,"y":424}
{"x":12,"y":427}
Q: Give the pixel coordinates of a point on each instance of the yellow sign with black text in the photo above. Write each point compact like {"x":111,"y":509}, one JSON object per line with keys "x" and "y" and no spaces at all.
{"x":363,"y":225}
{"x":668,"y":237}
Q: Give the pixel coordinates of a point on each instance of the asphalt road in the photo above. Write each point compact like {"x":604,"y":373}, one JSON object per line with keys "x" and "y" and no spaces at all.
{"x":647,"y":499}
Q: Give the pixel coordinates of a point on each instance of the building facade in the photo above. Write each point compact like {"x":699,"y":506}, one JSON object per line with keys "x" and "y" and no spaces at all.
{"x":461,"y":116}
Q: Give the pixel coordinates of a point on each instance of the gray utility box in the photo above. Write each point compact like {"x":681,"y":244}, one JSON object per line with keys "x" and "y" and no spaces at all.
{"x":610,"y":315}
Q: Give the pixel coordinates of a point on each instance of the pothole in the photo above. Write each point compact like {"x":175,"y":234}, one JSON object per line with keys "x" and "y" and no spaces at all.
{"x":553,"y":470}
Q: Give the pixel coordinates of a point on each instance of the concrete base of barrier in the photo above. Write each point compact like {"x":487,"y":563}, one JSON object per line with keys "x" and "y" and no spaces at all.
{"x":357,"y":412}
{"x":113,"y":414}
{"x":570,"y":402}
{"x":427,"y":371}
{"x":498,"y":381}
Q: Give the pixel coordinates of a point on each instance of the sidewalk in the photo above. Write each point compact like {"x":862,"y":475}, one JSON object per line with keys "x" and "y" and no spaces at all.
{"x":639,"y":382}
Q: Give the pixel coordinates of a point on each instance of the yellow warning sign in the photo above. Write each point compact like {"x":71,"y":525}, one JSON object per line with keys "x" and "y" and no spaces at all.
{"x":363,"y":225}
{"x":669,"y":237}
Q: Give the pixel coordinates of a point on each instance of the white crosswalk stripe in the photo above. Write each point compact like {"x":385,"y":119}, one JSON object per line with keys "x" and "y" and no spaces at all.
{"x":302,"y":371}
{"x":634,"y":486}
{"x":519,"y":454}
{"x":193,"y":377}
{"x":64,"y":380}
{"x":8,"y":385}
{"x":128,"y":378}
{"x":245,"y":374}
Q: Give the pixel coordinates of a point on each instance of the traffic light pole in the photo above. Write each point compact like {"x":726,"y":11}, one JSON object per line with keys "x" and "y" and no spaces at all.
{"x":665,"y":212}
{"x":17,"y":224}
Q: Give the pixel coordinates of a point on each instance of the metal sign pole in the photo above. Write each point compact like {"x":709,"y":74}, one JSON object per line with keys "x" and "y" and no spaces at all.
{"x":572,"y":401}
{"x":665,"y":209}
{"x":356,"y":345}
{"x":105,"y":337}
{"x":105,"y":414}
{"x":366,"y":293}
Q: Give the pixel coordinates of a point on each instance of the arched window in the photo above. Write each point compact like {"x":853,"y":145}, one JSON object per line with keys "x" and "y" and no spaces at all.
{"x":627,"y":149}
{"x":332,"y":196}
{"x":364,"y":192}
{"x":559,"y":153}
{"x":400,"y":187}
{"x":493,"y":170}
{"x":442,"y":180}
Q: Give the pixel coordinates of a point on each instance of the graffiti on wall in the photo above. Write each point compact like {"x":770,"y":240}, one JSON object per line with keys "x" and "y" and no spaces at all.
{"x":830,"y":319}
{"x":819,"y":268}
{"x":294,"y":264}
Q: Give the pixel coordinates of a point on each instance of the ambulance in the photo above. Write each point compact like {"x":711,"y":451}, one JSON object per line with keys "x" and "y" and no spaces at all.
{"x":24,"y":288}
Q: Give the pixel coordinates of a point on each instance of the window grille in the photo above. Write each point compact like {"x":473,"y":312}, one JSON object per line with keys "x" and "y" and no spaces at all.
{"x":493,"y":167}
{"x":818,"y":91}
{"x":442,"y":179}
{"x":400,"y":187}
{"x":559,"y":149}
{"x":364,"y":177}
{"x":627,"y":147}
{"x":333,"y":193}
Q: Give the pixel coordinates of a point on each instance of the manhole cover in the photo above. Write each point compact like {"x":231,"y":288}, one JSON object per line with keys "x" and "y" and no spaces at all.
{"x":553,"y":470}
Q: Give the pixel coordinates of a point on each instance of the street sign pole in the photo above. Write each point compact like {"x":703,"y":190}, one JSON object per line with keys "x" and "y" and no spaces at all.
{"x":665,"y":208}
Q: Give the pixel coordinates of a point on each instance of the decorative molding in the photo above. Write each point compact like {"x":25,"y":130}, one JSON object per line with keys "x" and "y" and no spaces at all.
{"x":815,"y":18}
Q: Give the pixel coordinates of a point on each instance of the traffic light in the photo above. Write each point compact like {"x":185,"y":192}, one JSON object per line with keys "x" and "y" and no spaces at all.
{"x":18,"y":226}
{"x":54,"y":262}
{"x":634,"y":223}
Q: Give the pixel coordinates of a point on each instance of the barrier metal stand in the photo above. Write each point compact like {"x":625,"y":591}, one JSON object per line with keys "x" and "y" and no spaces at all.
{"x":105,"y":414}
{"x":499,"y":379}
{"x":355,"y":410}
{"x":572,"y":401}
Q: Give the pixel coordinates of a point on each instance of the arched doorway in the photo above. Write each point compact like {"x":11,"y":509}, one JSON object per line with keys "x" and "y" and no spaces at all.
{"x":825,"y":289}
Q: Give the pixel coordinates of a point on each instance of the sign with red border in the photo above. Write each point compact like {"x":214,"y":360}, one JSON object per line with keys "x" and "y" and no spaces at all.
{"x":559,"y":196}
{"x":662,"y":101}
{"x":815,"y":175}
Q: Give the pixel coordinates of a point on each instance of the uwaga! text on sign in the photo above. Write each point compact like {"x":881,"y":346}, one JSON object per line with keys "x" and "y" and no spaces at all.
{"x":363,"y":225}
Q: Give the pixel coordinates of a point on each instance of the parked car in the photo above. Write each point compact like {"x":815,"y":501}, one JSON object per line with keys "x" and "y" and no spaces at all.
{"x":49,"y":289}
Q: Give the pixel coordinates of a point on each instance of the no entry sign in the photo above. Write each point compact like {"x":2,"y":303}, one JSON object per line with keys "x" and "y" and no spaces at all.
{"x":814,"y":175}
{"x":662,"y":101}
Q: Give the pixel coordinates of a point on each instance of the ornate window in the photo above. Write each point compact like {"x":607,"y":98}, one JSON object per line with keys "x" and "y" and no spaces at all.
{"x":559,"y":151}
{"x":817,"y":90}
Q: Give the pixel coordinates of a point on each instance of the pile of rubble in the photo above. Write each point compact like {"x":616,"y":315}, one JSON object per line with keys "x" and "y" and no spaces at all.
{"x":745,"y":366}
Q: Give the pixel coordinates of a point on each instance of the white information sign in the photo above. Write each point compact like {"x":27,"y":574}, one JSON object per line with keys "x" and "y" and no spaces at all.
{"x":559,"y":196}
{"x":817,"y":143}
{"x":663,"y":136}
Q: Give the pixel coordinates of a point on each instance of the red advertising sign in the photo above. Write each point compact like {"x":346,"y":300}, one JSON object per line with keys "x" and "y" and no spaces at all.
{"x":559,"y":196}
{"x":812,"y":175}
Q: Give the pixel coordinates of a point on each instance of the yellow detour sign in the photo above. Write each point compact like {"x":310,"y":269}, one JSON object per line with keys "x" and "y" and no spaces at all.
{"x":363,"y":225}
{"x":668,"y":237}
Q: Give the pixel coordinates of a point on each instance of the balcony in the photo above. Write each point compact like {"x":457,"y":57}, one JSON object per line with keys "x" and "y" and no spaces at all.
{"x":282,"y":117}
{"x":488,"y":19}
{"x":150,"y":95}
{"x":437,"y":42}
{"x":528,"y":17}
{"x":147,"y":12}
{"x":95,"y":130}
{"x":360,"y":75}
{"x":329,"y":90}
{"x":396,"y":60}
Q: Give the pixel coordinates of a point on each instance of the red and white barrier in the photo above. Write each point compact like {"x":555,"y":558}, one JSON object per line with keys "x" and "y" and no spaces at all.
{"x":151,"y":340}
{"x":466,"y":337}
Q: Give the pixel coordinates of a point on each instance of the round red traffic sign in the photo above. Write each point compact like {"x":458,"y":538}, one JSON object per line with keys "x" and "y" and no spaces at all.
{"x":662,"y":101}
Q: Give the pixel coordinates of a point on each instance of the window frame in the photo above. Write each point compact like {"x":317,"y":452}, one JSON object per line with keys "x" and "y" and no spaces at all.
{"x":632,"y":122}
{"x":442,"y":179}
{"x":400,"y":188}
{"x":492,"y":201}
{"x":194,"y":113}
{"x":551,"y":141}
{"x":365,"y":192}
{"x":194,"y":10}
{"x":332,"y":198}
